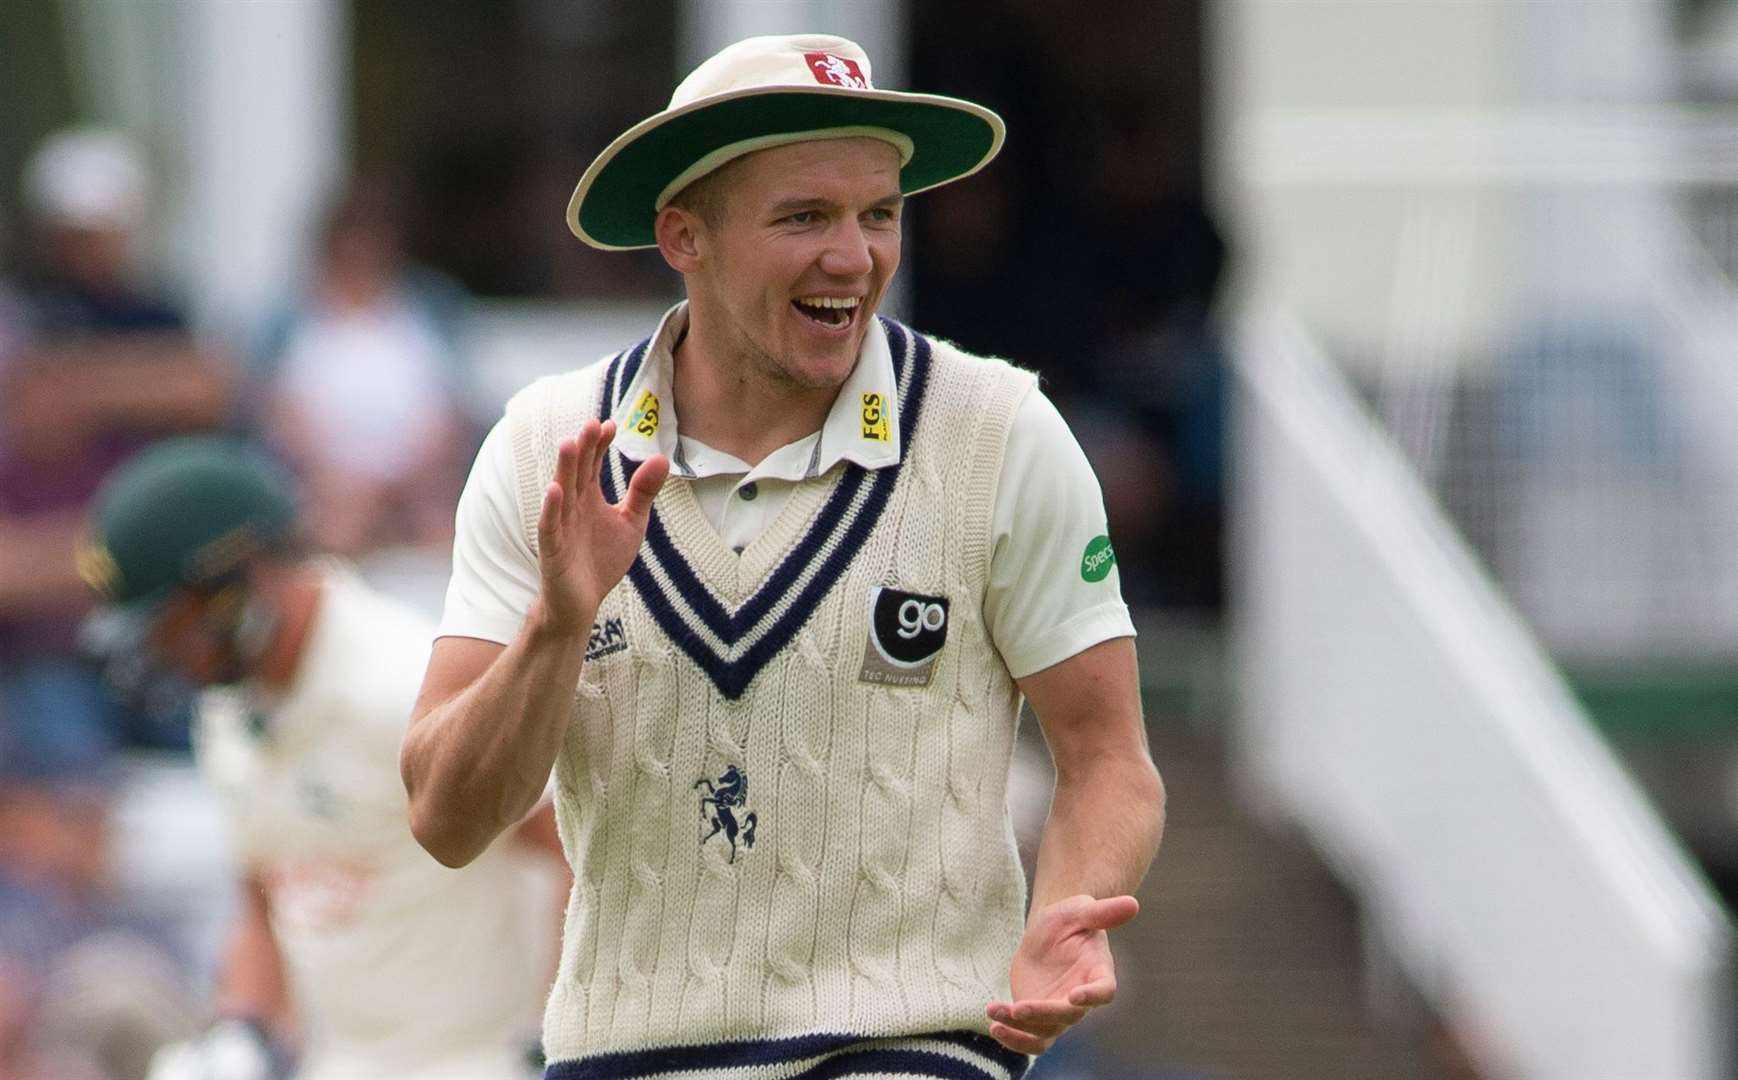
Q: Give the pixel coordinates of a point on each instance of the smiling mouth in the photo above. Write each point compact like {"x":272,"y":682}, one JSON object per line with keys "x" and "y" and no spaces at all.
{"x":833,"y":312}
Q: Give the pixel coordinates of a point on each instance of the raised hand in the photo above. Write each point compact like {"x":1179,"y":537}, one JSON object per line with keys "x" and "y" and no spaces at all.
{"x":584,"y":543}
{"x":1062,"y":969}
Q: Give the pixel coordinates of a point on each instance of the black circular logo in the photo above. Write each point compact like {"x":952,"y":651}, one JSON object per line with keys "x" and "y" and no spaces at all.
{"x":908,"y":628}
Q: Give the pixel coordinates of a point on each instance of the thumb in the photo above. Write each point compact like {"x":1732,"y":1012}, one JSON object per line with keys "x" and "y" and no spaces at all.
{"x":648,"y":479}
{"x":1110,"y":913}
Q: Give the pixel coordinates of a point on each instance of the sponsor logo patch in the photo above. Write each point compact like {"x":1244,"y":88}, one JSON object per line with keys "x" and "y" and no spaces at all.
{"x":607,"y":638}
{"x":644,"y":419}
{"x":875,"y":426}
{"x":836,"y":70}
{"x":906,"y":633}
{"x":1098,"y":558}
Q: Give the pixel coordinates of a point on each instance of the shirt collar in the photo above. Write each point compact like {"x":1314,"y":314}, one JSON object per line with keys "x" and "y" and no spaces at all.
{"x":862,"y":426}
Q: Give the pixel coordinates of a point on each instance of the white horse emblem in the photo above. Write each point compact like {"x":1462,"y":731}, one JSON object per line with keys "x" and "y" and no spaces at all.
{"x":837,"y":70}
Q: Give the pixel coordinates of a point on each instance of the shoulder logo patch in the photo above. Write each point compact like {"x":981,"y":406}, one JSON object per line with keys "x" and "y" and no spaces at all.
{"x":906,"y":633}
{"x":1098,"y":558}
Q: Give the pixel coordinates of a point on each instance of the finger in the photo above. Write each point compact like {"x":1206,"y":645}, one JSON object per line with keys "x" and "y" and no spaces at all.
{"x":587,"y":449}
{"x":606,"y":434}
{"x":1045,"y":1017}
{"x":1017,"y":1040}
{"x":1094,"y":994}
{"x":1047,"y":1022}
{"x":1110,"y":913}
{"x":549,"y":519}
{"x":648,"y":479}
{"x":566,"y":454}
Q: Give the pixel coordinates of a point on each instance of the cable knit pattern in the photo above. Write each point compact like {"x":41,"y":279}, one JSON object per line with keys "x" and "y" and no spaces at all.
{"x":858,"y":898}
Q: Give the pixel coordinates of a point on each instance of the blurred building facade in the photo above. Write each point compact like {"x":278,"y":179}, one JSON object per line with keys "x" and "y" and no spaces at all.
{"x":1501,"y":233}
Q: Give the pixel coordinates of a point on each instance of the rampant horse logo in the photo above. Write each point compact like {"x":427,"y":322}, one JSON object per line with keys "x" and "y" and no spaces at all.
{"x":719,"y":805}
{"x":838,"y":70}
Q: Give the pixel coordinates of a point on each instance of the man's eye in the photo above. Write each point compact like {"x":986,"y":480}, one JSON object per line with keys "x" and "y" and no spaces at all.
{"x":803,"y":217}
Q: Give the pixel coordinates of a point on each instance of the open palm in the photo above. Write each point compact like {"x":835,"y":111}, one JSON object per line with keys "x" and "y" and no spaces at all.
{"x":1062,"y":969}
{"x":584,"y":542}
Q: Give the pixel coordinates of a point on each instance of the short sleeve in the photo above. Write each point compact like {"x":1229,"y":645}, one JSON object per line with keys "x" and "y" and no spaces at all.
{"x":495,"y":576}
{"x":1054,"y":589}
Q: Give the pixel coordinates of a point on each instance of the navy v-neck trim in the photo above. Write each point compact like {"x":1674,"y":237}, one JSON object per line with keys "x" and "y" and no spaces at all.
{"x":690,"y":613}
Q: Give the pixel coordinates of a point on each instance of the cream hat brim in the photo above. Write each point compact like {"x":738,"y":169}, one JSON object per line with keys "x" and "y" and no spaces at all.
{"x":618,"y":198}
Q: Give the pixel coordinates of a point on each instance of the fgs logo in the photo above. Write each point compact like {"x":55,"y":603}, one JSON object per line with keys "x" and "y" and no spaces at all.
{"x":875,"y":426}
{"x":644,"y":419}
{"x":906,"y":632}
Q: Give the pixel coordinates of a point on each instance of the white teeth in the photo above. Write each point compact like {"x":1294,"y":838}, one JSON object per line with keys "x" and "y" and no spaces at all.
{"x":830,"y":301}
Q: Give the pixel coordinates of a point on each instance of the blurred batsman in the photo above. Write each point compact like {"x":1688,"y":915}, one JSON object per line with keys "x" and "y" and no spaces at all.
{"x":765,"y":590}
{"x":354,"y":953}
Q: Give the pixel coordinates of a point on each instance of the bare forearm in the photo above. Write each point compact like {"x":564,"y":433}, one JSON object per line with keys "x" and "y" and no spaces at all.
{"x":475,"y":765}
{"x":1102,"y":834}
{"x":251,"y":983}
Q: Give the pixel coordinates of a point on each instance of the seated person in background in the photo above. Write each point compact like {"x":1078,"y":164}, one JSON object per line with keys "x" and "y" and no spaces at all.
{"x":351,"y":941}
{"x":361,"y":390}
{"x":99,"y":367}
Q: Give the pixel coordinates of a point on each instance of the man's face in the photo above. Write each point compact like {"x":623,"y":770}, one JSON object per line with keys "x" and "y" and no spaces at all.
{"x":808,"y":239}
{"x":185,"y":637}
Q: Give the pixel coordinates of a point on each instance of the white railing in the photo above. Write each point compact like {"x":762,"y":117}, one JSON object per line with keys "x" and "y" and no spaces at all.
{"x":1394,"y":705}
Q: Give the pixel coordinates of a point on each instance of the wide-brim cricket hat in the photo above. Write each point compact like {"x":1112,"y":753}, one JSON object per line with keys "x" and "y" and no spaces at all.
{"x":764,"y":92}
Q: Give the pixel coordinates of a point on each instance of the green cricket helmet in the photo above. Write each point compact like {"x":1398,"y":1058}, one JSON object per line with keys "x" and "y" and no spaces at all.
{"x":186,"y":513}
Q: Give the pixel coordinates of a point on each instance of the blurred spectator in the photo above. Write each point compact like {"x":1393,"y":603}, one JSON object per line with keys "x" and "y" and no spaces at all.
{"x":93,"y":365}
{"x":86,"y":990}
{"x":98,"y":366}
{"x":361,"y":386}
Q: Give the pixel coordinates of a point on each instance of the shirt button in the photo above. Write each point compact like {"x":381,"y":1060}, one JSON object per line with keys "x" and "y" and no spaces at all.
{"x":748,"y":491}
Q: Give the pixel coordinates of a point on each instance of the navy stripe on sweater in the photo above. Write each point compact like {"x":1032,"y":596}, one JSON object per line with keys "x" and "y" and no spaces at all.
{"x":840,"y":1058}
{"x":835,"y":536}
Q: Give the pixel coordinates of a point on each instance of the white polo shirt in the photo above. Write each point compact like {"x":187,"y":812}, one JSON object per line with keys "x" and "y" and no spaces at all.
{"x":1050,"y":593}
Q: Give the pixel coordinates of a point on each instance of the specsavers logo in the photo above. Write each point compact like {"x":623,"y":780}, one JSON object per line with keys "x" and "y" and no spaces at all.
{"x":1098,"y":559}
{"x":875,"y":426}
{"x":644,"y":419}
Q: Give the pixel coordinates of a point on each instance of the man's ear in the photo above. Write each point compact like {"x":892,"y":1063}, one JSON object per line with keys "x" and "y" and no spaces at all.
{"x":681,"y":238}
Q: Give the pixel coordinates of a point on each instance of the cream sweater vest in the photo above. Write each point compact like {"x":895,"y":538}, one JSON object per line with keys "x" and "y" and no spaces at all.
{"x":777,"y":859}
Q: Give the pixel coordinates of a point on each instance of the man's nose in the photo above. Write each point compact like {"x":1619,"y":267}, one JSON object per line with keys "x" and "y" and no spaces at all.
{"x":847,"y":253}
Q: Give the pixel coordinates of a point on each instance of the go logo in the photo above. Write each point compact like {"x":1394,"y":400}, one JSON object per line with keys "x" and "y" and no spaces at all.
{"x":916,"y":616}
{"x":906,"y":631}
